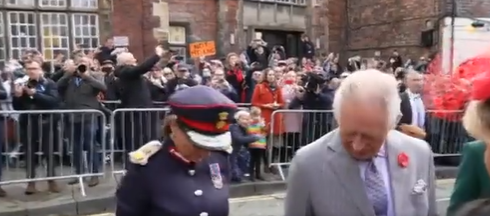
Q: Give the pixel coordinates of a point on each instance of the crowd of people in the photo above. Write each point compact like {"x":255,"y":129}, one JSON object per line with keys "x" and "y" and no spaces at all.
{"x":261,"y":78}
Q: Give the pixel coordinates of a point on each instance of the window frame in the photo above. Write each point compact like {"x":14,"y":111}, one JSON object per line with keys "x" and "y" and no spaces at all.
{"x":283,"y":2}
{"x":3,"y":33}
{"x":38,"y":10}
{"x":51,"y":48}
{"x":184,"y":45}
{"x":9,"y":38}
{"x":97,"y":29}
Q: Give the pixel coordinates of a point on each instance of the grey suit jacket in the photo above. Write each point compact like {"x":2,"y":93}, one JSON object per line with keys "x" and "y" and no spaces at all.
{"x":324,"y":180}
{"x":83,"y":96}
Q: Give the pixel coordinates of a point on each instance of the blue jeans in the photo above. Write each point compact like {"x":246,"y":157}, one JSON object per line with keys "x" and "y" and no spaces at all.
{"x":239,"y":162}
{"x":84,"y":139}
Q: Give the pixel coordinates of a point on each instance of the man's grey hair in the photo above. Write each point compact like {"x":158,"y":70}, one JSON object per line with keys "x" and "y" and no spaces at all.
{"x":240,"y":113}
{"x":370,"y":85}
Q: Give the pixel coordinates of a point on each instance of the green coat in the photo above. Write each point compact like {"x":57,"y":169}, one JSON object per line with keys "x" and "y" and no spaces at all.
{"x":472,"y":181}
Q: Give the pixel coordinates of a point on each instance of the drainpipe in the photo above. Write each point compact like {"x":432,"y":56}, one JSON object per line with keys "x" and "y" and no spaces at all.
{"x":454,"y":10}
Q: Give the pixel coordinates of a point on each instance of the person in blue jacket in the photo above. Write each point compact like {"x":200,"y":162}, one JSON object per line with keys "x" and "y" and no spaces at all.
{"x":188,"y":174}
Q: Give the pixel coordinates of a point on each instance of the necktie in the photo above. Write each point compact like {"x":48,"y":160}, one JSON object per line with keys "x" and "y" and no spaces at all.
{"x":375,"y":189}
{"x":78,"y":81}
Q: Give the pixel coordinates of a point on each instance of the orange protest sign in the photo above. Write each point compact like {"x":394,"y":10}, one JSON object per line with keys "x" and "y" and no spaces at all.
{"x":198,"y":49}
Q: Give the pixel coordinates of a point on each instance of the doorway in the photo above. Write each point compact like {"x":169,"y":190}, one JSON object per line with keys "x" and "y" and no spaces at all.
{"x":290,"y":40}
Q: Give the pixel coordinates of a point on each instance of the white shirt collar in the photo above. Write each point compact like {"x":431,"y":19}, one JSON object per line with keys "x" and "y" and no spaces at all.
{"x":412,"y":95}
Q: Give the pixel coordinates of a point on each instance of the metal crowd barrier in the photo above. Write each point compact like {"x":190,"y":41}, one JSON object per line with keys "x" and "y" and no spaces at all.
{"x":445,"y":133}
{"x":43,"y":145}
{"x":130,"y":129}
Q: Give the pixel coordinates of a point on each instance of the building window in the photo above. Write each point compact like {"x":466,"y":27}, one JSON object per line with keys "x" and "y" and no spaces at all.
{"x":86,"y":31}
{"x":22,"y":32}
{"x":84,"y":4}
{"x":20,"y":3}
{"x":55,"y":34}
{"x":52,"y":28}
{"x":53,"y":3}
{"x":2,"y":41}
{"x":293,"y":2}
{"x":177,"y":38}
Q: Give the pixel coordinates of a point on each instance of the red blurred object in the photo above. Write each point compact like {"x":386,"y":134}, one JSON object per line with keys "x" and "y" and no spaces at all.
{"x":447,"y":94}
{"x":481,"y":87}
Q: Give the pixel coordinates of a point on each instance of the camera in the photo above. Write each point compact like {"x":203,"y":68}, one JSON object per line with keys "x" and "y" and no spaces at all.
{"x":82,"y":68}
{"x":179,"y":58}
{"x":313,"y":81}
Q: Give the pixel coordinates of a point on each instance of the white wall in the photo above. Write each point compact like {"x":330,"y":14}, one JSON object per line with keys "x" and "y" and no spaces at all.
{"x":467,"y":44}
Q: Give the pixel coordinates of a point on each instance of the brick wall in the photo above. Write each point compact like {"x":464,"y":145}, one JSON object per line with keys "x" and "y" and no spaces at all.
{"x":348,"y":27}
{"x":135,"y":20}
{"x":363,"y":27}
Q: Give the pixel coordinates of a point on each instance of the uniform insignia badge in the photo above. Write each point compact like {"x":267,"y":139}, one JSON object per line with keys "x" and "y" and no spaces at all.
{"x":216,"y":175}
{"x":222,"y":116}
{"x":141,"y":155}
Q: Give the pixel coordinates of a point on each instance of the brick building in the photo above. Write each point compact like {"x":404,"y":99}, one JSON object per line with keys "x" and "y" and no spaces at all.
{"x":364,"y":27}
{"x":345,"y":26}
{"x":231,"y":23}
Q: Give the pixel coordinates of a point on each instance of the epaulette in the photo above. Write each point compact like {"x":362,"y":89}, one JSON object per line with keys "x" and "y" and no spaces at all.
{"x":141,"y":155}
{"x":228,"y":149}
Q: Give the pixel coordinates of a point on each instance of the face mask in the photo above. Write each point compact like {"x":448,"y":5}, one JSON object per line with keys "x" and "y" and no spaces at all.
{"x":106,"y":69}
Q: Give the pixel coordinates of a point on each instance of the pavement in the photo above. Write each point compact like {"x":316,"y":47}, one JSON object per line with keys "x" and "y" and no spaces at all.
{"x":261,"y":198}
{"x":272,"y":205}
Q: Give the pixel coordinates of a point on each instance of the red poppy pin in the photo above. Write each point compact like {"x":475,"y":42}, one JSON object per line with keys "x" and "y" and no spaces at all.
{"x":402,"y":160}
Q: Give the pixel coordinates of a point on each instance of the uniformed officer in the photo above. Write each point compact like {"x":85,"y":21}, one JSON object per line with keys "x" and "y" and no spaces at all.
{"x":187,"y":174}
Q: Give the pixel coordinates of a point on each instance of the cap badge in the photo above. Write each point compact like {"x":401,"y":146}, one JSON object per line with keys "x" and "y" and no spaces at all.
{"x":223,"y":116}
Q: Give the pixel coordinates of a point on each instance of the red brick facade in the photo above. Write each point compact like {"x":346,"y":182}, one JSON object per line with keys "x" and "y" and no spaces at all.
{"x":346,"y":26}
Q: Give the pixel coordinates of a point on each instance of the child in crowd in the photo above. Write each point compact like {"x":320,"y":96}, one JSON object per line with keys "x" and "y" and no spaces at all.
{"x":257,"y":149}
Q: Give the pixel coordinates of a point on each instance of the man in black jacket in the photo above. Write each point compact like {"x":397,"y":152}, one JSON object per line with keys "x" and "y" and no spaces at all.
{"x":38,"y":93}
{"x":80,"y":87}
{"x":139,"y":126}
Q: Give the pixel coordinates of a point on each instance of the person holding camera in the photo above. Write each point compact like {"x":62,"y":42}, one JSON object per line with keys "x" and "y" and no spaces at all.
{"x":80,"y":88}
{"x":219,"y":83}
{"x":314,"y":95}
{"x":182,"y":79}
{"x":252,"y":78}
{"x":157,"y":84}
{"x":235,"y":76}
{"x":37,"y":93}
{"x":257,"y":51}
{"x":307,"y":48}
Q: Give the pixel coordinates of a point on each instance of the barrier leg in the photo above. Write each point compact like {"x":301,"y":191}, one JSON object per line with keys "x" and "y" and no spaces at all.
{"x":82,"y":186}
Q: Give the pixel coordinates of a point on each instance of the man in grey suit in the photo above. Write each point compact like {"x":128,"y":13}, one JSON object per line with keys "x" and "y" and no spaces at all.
{"x":363,"y":168}
{"x":79,"y":88}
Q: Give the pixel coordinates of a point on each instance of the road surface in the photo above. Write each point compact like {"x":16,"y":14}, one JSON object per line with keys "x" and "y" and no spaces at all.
{"x":272,"y":205}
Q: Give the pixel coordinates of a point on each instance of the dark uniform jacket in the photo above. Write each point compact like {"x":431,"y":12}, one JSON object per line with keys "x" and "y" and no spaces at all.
{"x":472,"y":182}
{"x":168,"y":186}
{"x":135,"y":92}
